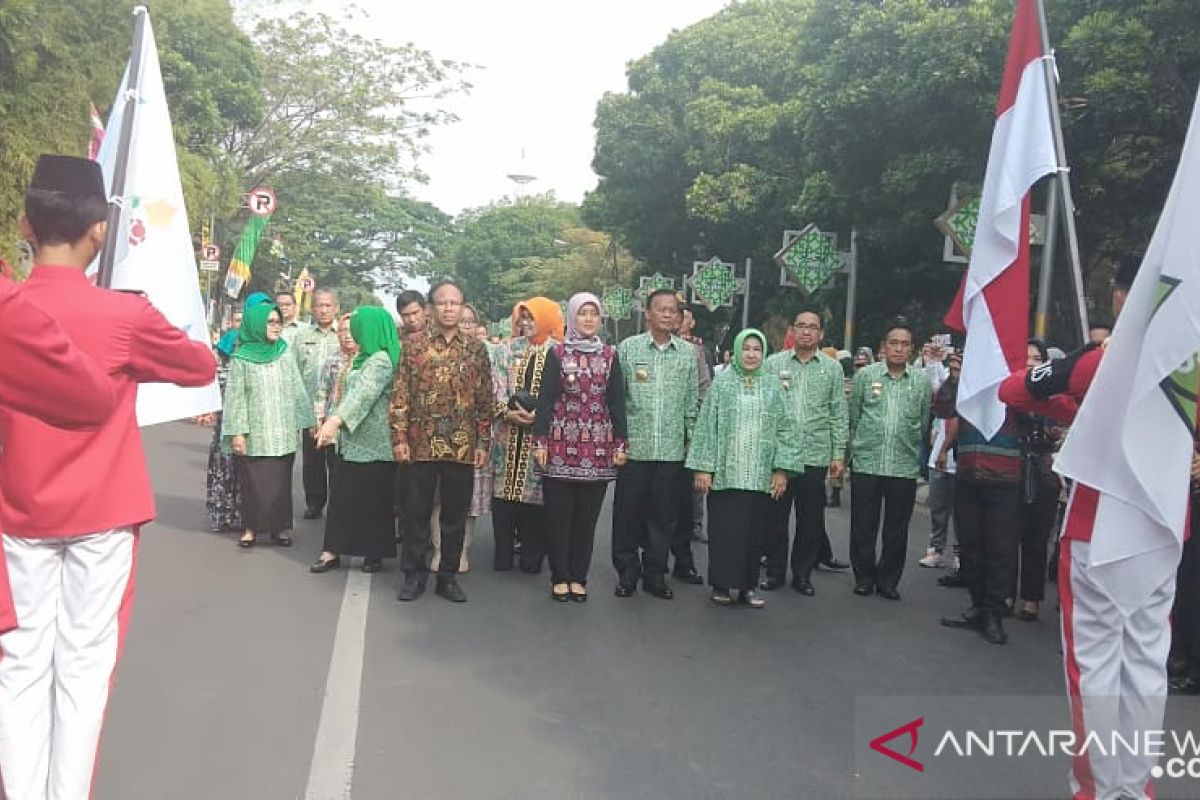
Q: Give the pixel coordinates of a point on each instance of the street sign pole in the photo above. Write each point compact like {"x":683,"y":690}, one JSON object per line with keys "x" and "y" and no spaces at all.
{"x":746,"y":297}
{"x":851,"y":291}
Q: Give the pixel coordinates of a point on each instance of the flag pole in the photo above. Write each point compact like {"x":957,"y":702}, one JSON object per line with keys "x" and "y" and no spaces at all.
{"x":117,"y":190}
{"x":1064,"y":179}
{"x":851,"y":290}
{"x":1041,"y":318}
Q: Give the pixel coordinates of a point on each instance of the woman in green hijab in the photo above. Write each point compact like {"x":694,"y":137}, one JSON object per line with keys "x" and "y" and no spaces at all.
{"x":742,"y":437}
{"x":361,"y":519}
{"x":266,"y":408}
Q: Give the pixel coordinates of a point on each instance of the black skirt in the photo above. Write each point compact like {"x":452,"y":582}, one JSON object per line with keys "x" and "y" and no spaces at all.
{"x":735,"y":529}
{"x":266,"y":483}
{"x":361,"y":516}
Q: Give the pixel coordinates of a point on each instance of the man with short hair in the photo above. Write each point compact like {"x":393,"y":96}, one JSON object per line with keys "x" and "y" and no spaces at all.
{"x":292,"y":326}
{"x":74,"y":501}
{"x":314,"y":346}
{"x":889,"y":410}
{"x":689,"y":522}
{"x":410,"y":305}
{"x":662,"y":390}
{"x":814,"y":394}
{"x":441,"y":419}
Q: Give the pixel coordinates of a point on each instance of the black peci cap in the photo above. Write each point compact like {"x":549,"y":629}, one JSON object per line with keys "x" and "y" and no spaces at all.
{"x":80,"y":177}
{"x":1127,"y":270}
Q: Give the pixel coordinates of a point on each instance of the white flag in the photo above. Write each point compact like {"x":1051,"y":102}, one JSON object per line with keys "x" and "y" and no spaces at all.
{"x":1133,"y":438}
{"x":154,"y":244}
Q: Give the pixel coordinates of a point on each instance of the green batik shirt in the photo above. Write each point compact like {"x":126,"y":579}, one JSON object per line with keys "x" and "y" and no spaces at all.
{"x":887,"y":421}
{"x":313,"y":348}
{"x":662,"y":396}
{"x":267,"y":404}
{"x":365,"y":435}
{"x":743,"y":433}
{"x":814,"y":397}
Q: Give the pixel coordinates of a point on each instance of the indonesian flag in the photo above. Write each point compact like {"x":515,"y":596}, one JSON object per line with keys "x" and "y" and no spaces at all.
{"x":1132,"y":441}
{"x":97,"y":132}
{"x":992,"y":305}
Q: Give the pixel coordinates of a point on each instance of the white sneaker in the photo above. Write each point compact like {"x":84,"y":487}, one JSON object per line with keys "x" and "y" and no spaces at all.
{"x":932,"y":559}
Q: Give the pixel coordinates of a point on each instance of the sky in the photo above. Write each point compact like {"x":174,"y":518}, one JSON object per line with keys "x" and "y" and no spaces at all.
{"x":542,"y":66}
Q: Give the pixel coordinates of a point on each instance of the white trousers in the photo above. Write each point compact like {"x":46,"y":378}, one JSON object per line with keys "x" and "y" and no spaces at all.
{"x":73,"y":598}
{"x":1116,"y":671}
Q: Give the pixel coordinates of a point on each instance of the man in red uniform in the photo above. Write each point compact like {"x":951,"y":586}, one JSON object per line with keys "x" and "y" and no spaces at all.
{"x":71,"y":502}
{"x":1111,"y":659}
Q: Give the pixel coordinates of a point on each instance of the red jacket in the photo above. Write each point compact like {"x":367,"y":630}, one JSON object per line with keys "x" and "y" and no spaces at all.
{"x":56,"y":483}
{"x":42,"y":374}
{"x":1081,"y":513}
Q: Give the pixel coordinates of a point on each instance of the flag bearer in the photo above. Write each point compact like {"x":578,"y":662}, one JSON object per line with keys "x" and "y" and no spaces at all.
{"x":73,"y":501}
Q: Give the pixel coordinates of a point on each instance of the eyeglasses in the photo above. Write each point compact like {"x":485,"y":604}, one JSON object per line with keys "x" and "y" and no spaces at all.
{"x":806,"y":326}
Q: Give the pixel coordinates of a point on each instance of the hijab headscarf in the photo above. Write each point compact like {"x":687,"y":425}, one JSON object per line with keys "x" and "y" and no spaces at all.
{"x":738,"y":366}
{"x":253,"y":345}
{"x":547,"y":318}
{"x":575,"y":340}
{"x":374,"y":330}
{"x":229,"y":340}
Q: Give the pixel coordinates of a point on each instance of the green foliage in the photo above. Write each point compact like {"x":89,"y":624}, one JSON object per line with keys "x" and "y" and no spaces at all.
{"x":776,"y":113}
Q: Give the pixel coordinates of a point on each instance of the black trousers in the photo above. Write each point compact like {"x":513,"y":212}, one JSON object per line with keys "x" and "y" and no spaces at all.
{"x":736,"y":520}
{"x":401,"y":496}
{"x":685,"y":522}
{"x":455,"y":482}
{"x":1037,"y":522}
{"x":869,"y":496}
{"x":805,"y":494}
{"x":571,"y":511}
{"x":509,"y":518}
{"x":987,"y":519}
{"x":315,"y":473}
{"x":1185,"y":613}
{"x":645,"y":500}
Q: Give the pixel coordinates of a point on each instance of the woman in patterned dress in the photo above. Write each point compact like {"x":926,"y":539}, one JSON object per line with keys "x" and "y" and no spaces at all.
{"x":579,"y":442}
{"x":266,"y":408}
{"x":361,"y":519}
{"x":742,"y":437}
{"x":517,"y":496}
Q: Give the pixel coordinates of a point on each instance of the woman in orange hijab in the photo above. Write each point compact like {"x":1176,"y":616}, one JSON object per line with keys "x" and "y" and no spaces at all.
{"x":517,"y":513}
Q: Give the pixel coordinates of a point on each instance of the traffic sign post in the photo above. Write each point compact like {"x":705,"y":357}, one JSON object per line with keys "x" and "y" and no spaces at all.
{"x":261,"y":202}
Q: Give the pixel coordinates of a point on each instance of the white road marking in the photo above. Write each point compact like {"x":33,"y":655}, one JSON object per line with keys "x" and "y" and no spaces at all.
{"x":332,"y":770}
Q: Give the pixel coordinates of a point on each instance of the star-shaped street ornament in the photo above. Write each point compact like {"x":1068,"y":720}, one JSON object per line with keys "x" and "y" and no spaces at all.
{"x":959,"y":222}
{"x":714,"y":283}
{"x":649,"y":284}
{"x":617,"y":302}
{"x":810,"y":258}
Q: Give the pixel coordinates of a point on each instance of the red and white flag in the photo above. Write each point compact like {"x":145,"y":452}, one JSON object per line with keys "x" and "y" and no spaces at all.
{"x":993,"y":302}
{"x":97,"y":132}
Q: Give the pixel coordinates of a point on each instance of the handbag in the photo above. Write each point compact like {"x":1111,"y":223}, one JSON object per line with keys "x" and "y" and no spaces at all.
{"x":523,"y":400}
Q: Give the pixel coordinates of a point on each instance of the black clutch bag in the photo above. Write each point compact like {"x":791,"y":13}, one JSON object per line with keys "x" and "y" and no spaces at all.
{"x":523,"y":400}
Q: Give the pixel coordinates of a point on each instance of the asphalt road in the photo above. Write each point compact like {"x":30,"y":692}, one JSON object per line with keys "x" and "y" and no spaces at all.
{"x":222,"y":687}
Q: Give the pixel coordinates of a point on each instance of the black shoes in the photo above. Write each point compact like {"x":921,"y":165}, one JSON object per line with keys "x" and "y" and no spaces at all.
{"x":282,"y":539}
{"x":804,"y":586}
{"x":993,"y":629}
{"x":952,"y":580}
{"x":747,"y":597}
{"x":657,"y":586}
{"x":625,"y":589}
{"x":969,"y":620}
{"x":370,"y":565}
{"x":563,"y":596}
{"x":329,"y":565}
{"x":887,"y":594}
{"x":688,"y":576}
{"x":312,"y":513}
{"x":770,"y":584}
{"x":833,"y":565}
{"x":864,"y":589}
{"x":1185,"y":685}
{"x":414,"y":587}
{"x":448,"y":588}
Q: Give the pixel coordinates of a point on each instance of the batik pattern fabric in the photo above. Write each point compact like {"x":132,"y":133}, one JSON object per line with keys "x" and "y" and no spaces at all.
{"x":331,"y":383}
{"x":662,"y":396}
{"x":888,"y":416}
{"x":223,"y":497}
{"x":515,"y":478}
{"x":267,"y":404}
{"x":442,"y":401}
{"x":814,"y":395}
{"x":743,"y":434}
{"x":365,"y":435}
{"x":581,"y":415}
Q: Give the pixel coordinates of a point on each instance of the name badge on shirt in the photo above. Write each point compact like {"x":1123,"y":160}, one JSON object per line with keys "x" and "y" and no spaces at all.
{"x":876,"y":390}
{"x":785,"y":378}
{"x":641,"y":372}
